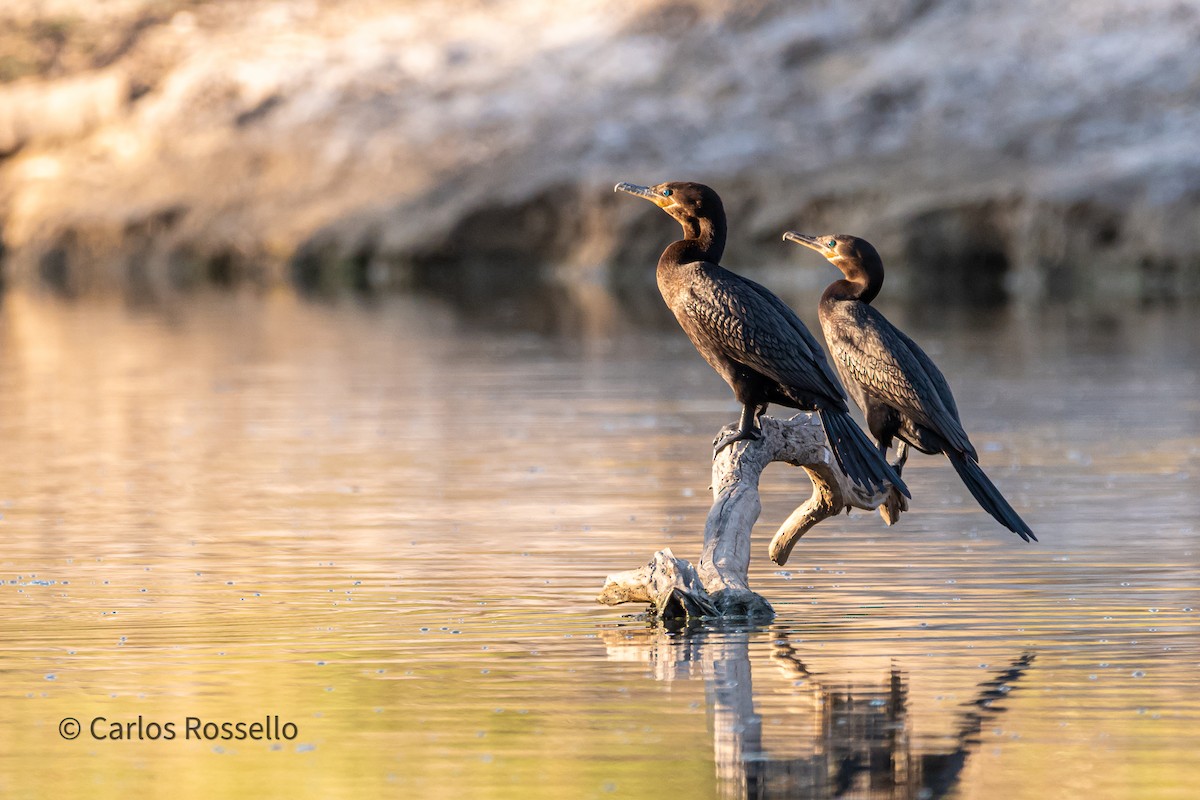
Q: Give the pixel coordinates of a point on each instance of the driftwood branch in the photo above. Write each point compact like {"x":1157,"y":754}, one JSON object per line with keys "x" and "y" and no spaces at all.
{"x":801,"y":442}
{"x":670,"y":584}
{"x":720,"y":582}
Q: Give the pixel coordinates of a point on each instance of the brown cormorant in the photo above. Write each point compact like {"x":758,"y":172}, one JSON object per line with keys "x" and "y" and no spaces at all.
{"x":900,"y":390}
{"x":750,"y":337}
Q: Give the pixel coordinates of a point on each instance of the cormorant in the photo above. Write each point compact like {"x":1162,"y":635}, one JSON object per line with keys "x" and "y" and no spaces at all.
{"x":900,"y":390}
{"x":750,"y":337}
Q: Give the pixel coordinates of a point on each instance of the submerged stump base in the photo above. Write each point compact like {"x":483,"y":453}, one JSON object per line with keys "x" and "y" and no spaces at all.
{"x":719,"y":587}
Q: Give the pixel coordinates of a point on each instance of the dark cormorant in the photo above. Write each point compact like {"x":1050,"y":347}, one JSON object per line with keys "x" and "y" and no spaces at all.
{"x":900,"y":390}
{"x":749,"y":336}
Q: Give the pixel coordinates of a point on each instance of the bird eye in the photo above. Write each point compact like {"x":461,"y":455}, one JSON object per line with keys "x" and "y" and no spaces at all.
{"x":831,"y":244}
{"x":666,"y":192}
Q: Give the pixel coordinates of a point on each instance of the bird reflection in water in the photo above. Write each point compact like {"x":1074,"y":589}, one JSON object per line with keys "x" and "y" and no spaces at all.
{"x":860,"y":734}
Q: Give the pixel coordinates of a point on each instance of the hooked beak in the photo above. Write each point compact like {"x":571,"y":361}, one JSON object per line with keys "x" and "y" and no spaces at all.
{"x":641,"y":191}
{"x":808,"y":241}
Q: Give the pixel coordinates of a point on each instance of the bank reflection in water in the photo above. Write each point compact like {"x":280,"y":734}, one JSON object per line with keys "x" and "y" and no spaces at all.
{"x":859,"y":741}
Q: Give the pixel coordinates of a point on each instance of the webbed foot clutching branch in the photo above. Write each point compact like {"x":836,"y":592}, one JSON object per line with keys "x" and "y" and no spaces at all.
{"x":748,"y":429}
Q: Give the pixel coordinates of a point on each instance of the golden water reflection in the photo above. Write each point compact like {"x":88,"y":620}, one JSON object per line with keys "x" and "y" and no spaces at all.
{"x":839,"y":738}
{"x":388,"y":527}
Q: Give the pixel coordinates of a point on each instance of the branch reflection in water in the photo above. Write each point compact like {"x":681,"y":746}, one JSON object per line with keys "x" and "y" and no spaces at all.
{"x":859,"y":734}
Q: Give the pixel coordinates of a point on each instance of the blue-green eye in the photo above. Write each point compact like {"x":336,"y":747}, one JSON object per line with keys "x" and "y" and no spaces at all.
{"x":831,"y":244}
{"x":666,"y":192}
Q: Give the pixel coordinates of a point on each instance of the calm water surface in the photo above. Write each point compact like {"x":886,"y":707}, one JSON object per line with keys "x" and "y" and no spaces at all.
{"x":388,"y":529}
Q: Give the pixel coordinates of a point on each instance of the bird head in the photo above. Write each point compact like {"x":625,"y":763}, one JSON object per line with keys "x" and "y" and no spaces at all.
{"x":858,"y":260}
{"x":844,"y":252}
{"x":683,"y":200}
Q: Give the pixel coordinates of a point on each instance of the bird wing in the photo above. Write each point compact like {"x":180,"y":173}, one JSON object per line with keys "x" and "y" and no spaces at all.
{"x":931,"y":370}
{"x":891,"y":367}
{"x":751,"y":326}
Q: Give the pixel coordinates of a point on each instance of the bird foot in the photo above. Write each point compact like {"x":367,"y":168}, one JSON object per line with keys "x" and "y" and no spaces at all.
{"x":721,"y":442}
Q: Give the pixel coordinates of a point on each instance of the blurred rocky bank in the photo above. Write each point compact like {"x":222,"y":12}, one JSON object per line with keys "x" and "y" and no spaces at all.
{"x":1028,"y":150}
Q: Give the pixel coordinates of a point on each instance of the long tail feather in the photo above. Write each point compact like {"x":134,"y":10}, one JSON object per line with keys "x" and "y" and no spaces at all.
{"x":988,"y":496}
{"x":857,"y":456}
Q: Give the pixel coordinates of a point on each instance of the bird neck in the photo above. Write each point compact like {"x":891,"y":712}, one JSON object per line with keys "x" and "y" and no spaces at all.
{"x":862,"y":282}
{"x":703,"y":240}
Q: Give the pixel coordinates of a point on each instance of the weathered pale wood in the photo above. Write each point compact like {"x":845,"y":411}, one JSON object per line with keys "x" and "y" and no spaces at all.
{"x":668,"y":583}
{"x":722,"y":574}
{"x":800,"y":441}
